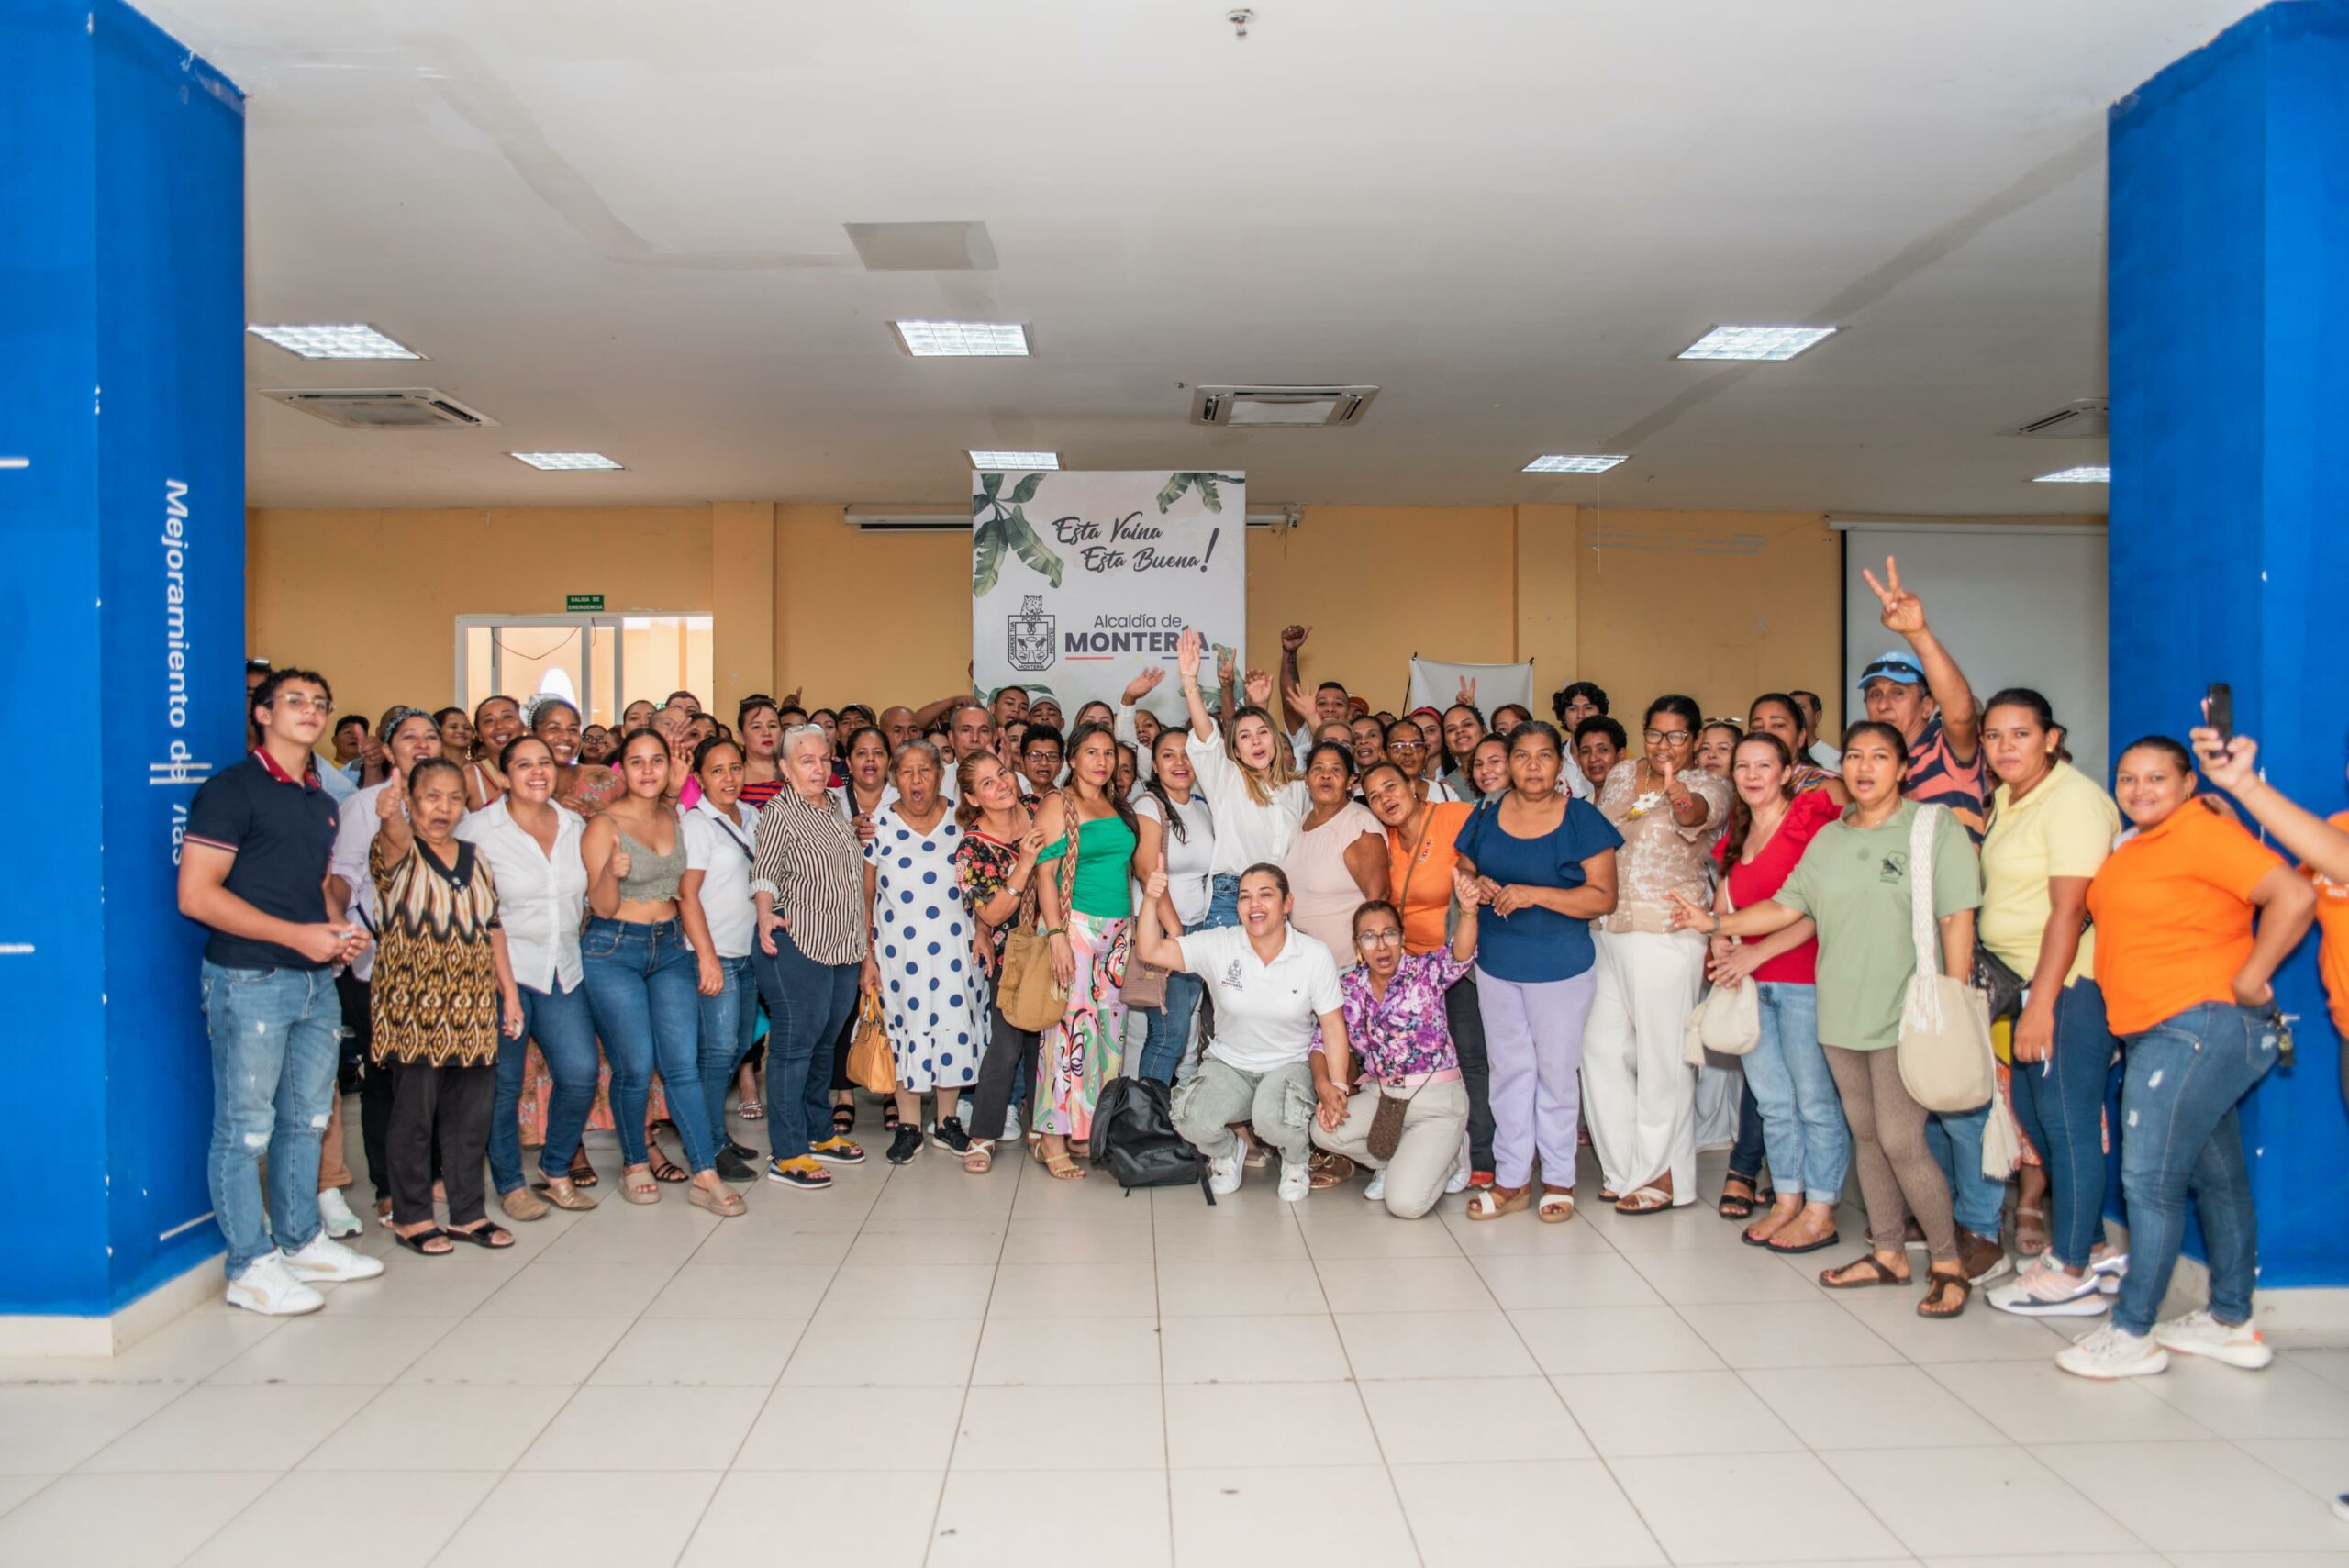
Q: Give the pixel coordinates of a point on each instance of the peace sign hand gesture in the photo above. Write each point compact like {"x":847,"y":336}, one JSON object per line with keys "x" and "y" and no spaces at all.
{"x":1903,"y":611}
{"x":1468,"y":698}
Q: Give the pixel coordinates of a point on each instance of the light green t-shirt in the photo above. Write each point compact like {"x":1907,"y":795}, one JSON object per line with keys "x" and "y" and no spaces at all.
{"x":1853,"y":883}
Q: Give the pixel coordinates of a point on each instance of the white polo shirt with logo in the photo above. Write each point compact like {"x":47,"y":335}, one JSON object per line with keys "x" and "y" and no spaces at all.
{"x":1267,"y":1016}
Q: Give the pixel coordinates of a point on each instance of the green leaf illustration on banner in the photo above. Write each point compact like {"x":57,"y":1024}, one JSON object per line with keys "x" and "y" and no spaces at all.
{"x":1001,"y":525}
{"x":1177,"y":484}
{"x":1029,"y":548}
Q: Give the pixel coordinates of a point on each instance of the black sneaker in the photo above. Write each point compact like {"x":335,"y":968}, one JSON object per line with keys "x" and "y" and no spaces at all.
{"x":905,"y":1144}
{"x":731,"y":1167}
{"x":948,"y":1134}
{"x":740,"y":1151}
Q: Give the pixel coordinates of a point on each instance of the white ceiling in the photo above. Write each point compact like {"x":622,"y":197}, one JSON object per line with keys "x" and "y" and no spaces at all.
{"x":619,"y":228}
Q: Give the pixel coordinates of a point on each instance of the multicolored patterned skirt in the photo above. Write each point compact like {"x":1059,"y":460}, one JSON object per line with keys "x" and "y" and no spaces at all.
{"x":1087,"y":1048}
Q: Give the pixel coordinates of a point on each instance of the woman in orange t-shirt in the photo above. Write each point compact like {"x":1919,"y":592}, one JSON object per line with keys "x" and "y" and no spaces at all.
{"x":1421,"y":855}
{"x":2192,"y":916}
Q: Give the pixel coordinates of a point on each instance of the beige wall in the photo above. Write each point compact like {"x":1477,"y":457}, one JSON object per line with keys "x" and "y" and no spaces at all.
{"x":1719,"y":604}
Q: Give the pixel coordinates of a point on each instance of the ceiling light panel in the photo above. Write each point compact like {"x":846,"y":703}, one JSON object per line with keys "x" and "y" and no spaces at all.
{"x":963,"y":340}
{"x":354,"y":340}
{"x":1027,"y":462}
{"x":567,"y":460}
{"x":2089,"y":474}
{"x":1755,"y":342}
{"x":1556,"y":462}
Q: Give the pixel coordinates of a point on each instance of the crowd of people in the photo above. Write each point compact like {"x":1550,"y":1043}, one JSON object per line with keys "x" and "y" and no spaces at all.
{"x":1439,"y":950}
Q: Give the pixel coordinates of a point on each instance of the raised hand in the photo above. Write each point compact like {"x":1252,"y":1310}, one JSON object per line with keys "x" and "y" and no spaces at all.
{"x":2232,"y":765}
{"x":1293,"y":693}
{"x":1468,"y":698}
{"x":1293,"y":637}
{"x":1155,"y":888}
{"x":1142,"y":685}
{"x":1903,"y":611}
{"x":1225,"y":660}
{"x":1467,"y":886}
{"x":1186,"y":656}
{"x":618,"y":865}
{"x":1258,"y":688}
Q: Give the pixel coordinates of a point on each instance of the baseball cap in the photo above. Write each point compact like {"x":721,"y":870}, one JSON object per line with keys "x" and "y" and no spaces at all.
{"x":1898,"y":665}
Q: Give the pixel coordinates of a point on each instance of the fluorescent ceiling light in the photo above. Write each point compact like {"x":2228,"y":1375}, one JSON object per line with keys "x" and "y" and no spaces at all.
{"x":1755,"y":342}
{"x":963,"y":340}
{"x":356,"y":341}
{"x":565,"y":459}
{"x":1555,"y":462}
{"x":1016,"y":462}
{"x":2086,"y":474}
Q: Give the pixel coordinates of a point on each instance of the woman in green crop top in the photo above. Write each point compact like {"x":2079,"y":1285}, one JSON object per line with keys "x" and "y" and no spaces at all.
{"x":1089,"y":916}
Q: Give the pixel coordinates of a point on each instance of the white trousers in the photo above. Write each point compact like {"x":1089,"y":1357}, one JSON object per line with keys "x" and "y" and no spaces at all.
{"x":1638,"y":1095}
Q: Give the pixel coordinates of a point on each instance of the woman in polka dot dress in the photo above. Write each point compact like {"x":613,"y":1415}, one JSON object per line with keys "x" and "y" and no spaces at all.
{"x":923,"y":960}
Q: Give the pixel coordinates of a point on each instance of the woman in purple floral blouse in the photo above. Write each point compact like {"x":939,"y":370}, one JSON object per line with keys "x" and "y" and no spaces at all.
{"x":1394,"y":1011}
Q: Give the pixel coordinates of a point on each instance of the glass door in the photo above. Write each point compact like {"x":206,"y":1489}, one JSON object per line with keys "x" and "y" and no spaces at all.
{"x":598,"y":664}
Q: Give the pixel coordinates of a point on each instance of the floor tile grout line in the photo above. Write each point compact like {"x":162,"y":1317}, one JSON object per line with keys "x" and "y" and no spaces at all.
{"x":1355,"y":1382}
{"x":978,"y":1345}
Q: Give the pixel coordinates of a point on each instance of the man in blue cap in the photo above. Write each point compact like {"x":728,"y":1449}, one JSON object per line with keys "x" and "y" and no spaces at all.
{"x":1920,"y":691}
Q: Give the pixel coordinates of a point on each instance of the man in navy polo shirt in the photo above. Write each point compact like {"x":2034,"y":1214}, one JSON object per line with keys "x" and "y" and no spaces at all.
{"x":254,"y":869}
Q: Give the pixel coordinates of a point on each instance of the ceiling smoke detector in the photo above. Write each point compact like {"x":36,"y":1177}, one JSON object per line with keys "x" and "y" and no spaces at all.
{"x":1294,"y":408}
{"x":382,"y":408}
{"x":2081,"y":416}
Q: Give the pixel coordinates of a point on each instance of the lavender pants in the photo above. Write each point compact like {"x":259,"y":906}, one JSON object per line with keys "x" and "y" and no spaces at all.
{"x":1534,"y":1040}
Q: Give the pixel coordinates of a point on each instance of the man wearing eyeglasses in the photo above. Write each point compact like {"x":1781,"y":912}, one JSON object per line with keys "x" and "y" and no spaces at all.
{"x":1921,"y":691}
{"x":254,"y":869}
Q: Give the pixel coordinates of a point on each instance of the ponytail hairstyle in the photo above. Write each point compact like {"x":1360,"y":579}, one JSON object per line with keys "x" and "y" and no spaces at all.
{"x":1740,"y":815}
{"x":1168,"y":813}
{"x":2031,"y":703}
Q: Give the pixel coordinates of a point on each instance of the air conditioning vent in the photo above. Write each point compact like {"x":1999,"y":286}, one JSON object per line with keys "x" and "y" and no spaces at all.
{"x":2083,"y":417}
{"x":1274,"y":407}
{"x":383,"y":409}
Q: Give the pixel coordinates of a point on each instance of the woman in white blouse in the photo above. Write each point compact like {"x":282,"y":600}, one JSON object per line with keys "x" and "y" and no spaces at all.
{"x":714,"y":901}
{"x":1255,"y":789}
{"x":1175,"y":829}
{"x":533,"y":848}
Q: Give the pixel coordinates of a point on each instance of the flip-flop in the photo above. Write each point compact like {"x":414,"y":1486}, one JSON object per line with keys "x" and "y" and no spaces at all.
{"x":1829,"y":1239}
{"x":1937,"y":1288}
{"x":1877,"y":1274}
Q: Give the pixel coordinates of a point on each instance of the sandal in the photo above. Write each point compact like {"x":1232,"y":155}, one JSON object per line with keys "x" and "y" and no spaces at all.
{"x":2031,"y":1230}
{"x":1937,"y":1288}
{"x":1875,"y":1275}
{"x":1491,"y":1203}
{"x":751,"y":1111}
{"x":1555,"y":1208}
{"x":635,"y":1191}
{"x":888,"y":1115}
{"x":1646,"y":1200}
{"x":721,"y":1201}
{"x":1732,"y":1205}
{"x":1062,"y":1167}
{"x":1329,"y":1169}
{"x":664,"y":1170}
{"x":979,"y":1159}
{"x":564,"y":1193}
{"x":495,"y":1238}
{"x":582,"y":1175}
{"x":422,"y":1242}
{"x":844,"y":1121}
{"x":1797,"y":1249}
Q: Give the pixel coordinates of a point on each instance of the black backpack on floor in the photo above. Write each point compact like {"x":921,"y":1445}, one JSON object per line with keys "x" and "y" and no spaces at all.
{"x":1134,"y":1136}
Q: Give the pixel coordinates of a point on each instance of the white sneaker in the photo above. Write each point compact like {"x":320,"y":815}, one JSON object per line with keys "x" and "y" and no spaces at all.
{"x":1012,"y":1130}
{"x":2199,"y":1334}
{"x":1296,"y":1180}
{"x":1223,"y":1173}
{"x":2109,"y":1271}
{"x":1458,"y":1182}
{"x":268,"y":1286}
{"x":1376,"y":1190}
{"x":327,"y":1259}
{"x":336,"y":1215}
{"x":2042,"y":1290}
{"x":2108,"y":1353}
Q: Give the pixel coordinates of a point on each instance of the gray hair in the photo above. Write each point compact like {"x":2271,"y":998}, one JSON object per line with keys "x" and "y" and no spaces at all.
{"x":799,"y":733}
{"x":927,"y":748}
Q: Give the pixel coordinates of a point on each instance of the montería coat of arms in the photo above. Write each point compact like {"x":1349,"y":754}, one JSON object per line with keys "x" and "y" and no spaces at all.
{"x":1030,"y":636}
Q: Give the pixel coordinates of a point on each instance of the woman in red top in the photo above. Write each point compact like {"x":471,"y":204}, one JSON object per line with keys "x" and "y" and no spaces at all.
{"x":1802,"y":1119}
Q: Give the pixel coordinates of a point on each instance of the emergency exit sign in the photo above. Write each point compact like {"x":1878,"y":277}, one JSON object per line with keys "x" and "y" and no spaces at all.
{"x":575,"y":603}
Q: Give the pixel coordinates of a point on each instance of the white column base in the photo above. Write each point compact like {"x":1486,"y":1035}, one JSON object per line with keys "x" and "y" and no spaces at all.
{"x":118,"y":1330}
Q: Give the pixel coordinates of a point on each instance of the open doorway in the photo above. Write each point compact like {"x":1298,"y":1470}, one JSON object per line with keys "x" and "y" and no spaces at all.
{"x":599,"y":663}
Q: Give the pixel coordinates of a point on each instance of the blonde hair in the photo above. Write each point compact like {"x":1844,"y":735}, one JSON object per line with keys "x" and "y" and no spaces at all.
{"x":1264,"y":784}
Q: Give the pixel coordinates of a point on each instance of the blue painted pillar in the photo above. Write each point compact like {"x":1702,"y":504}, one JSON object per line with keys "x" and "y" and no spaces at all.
{"x":2229,"y":354}
{"x":121,"y":631}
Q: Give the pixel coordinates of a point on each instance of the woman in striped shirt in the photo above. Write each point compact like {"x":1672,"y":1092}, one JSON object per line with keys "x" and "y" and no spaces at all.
{"x":812,"y":950}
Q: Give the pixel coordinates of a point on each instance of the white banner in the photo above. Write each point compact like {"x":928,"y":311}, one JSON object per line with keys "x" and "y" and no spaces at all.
{"x":1081,"y":581}
{"x":1435,"y":683}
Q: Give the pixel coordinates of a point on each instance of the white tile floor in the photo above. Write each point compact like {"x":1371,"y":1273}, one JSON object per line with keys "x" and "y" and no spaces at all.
{"x":922,"y":1368}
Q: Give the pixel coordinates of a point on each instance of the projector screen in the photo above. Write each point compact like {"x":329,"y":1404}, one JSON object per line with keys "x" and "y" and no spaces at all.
{"x":2016,"y":605}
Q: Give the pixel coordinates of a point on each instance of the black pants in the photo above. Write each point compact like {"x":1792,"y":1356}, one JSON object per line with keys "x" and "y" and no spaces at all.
{"x":448,"y":1107}
{"x":1008,"y":1048}
{"x":1466,"y":1019}
{"x":374,"y":1082}
{"x":840,"y":1050}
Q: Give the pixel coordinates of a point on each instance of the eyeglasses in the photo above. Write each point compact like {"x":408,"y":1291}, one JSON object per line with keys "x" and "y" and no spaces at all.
{"x":1385,"y":939}
{"x":303,"y":702}
{"x":1666,"y":737}
{"x":1407,"y":745}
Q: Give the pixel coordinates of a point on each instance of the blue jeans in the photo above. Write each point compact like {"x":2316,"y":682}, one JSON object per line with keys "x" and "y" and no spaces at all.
{"x":565,"y":1029}
{"x":2179,"y":1086}
{"x":807,"y":1002}
{"x":1167,"y":1031}
{"x":1801,"y":1114}
{"x":2059,"y":1105}
{"x":729,"y":1020}
{"x":640,"y":986}
{"x":1979,"y":1202}
{"x":1745,"y":1155}
{"x":276,"y":1034}
{"x":1223,"y":902}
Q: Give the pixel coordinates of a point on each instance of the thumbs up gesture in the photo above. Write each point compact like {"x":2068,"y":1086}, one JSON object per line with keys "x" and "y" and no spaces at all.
{"x":618,"y":864}
{"x":391,"y":803}
{"x":1156,"y":887}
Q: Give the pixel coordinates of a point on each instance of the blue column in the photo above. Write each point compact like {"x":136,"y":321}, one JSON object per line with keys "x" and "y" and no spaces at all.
{"x":2230,"y":351}
{"x":122,"y":622}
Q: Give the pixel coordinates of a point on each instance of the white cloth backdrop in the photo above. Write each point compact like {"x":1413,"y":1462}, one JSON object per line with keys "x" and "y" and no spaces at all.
{"x":1081,"y":581}
{"x":1435,"y":683}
